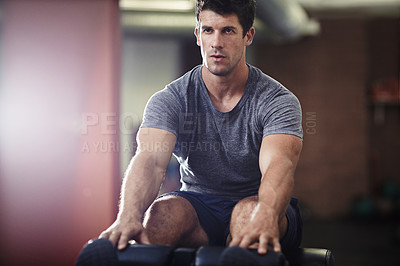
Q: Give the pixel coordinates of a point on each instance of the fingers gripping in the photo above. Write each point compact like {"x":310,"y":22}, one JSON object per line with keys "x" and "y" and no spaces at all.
{"x":247,"y":240}
{"x":262,"y":242}
{"x":266,"y":242}
{"x":263,"y":245}
{"x":123,"y":241}
{"x":120,"y":235}
{"x":111,"y":235}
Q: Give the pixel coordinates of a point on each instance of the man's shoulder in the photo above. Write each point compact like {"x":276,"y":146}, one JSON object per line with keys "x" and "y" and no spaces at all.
{"x":179,"y":87}
{"x":263,"y":85}
{"x":176,"y":94}
{"x":261,"y":78}
{"x":267,"y":90}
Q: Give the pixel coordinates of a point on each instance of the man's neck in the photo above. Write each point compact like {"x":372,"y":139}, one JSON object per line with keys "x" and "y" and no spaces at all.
{"x":226,"y":91}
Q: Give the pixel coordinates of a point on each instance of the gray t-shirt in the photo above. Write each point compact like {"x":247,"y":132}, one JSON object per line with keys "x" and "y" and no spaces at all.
{"x":218,"y":152}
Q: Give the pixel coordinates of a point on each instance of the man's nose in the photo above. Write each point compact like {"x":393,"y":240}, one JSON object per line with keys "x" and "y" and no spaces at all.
{"x":217,"y":41}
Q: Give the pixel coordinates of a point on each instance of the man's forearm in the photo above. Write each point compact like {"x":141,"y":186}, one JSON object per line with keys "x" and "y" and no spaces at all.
{"x":277,"y":186}
{"x":140,"y":187}
{"x":278,"y":160}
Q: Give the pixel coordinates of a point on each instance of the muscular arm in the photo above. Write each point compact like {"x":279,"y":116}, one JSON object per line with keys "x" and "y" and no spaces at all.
{"x":141,"y":185}
{"x":278,"y":158}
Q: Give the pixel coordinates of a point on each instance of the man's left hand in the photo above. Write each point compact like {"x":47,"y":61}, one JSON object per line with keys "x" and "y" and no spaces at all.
{"x":262,"y":232}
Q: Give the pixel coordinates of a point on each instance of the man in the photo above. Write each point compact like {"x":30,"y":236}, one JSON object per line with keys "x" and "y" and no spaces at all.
{"x":237,"y":135}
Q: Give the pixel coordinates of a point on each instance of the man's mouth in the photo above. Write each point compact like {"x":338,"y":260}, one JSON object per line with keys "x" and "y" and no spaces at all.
{"x":217,"y":57}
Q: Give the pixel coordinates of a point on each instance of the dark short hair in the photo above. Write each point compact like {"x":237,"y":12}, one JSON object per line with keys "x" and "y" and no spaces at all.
{"x":244,"y":9}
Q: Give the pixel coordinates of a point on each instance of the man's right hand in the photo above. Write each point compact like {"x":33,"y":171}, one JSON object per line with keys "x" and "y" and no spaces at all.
{"x":120,"y":232}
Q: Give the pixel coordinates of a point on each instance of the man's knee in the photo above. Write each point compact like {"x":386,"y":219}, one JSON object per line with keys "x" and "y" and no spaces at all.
{"x":171,"y":218}
{"x":167,"y":209}
{"x":246,"y":206}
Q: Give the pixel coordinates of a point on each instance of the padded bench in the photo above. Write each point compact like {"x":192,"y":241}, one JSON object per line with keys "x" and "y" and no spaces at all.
{"x":101,"y":252}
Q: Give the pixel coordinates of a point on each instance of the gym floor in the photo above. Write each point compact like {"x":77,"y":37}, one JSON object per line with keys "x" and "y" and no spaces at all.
{"x":356,"y":242}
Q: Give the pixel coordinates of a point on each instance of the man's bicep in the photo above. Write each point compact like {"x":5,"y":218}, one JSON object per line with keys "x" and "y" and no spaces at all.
{"x":279,"y":148}
{"x":157,"y":144}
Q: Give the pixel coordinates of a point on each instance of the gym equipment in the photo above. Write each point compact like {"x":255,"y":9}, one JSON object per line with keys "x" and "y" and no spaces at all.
{"x":311,"y":257}
{"x":101,"y":252}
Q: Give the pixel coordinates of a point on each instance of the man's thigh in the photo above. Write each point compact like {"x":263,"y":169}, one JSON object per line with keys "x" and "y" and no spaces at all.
{"x":172,"y":220}
{"x":213,"y":213}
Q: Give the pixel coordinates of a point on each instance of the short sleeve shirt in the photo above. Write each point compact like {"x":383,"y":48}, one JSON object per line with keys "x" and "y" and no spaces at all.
{"x":218,"y":152}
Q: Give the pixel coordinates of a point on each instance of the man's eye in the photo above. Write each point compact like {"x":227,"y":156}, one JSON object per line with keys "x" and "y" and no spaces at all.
{"x":207,"y":30}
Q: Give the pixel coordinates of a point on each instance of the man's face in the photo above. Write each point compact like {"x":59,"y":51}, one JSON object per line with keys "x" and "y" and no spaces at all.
{"x":220,"y":38}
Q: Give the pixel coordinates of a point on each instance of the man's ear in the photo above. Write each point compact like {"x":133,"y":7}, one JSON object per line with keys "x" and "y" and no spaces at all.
{"x":250,"y":36}
{"x":196,"y":33}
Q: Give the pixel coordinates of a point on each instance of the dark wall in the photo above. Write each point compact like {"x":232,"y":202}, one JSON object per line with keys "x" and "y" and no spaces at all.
{"x":331,"y":74}
{"x":384,"y":123}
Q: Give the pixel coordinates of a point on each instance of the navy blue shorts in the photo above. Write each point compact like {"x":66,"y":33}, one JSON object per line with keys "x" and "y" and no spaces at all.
{"x":214,"y":214}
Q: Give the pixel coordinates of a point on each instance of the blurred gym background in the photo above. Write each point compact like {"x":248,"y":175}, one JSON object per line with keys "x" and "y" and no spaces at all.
{"x":76,"y":75}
